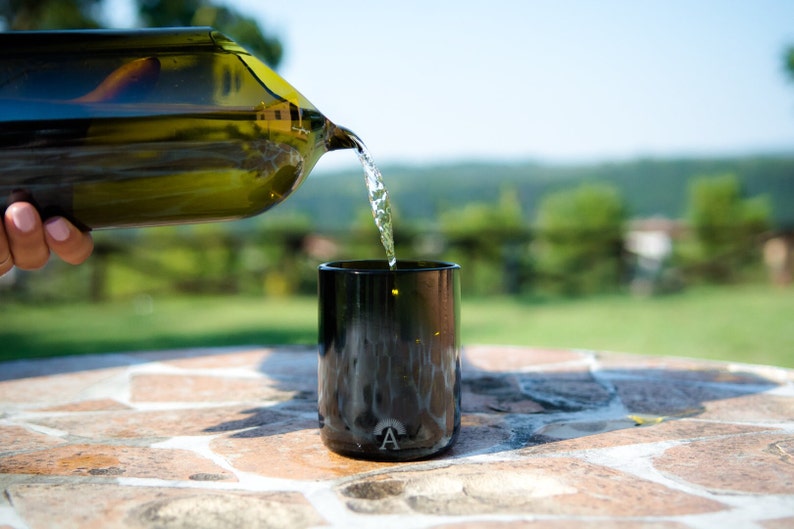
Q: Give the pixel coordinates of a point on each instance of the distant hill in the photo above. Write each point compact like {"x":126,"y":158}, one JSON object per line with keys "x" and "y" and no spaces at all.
{"x":650,"y":186}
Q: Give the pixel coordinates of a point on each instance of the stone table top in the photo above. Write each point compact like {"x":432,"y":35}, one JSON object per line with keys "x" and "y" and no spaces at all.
{"x":221,"y":438}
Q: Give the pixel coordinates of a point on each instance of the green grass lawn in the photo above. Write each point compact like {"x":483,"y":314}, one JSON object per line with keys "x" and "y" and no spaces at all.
{"x":740,"y":323}
{"x":753,"y":324}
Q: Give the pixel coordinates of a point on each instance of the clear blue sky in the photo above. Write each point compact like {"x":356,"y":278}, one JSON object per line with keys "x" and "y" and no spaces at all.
{"x":433,"y":81}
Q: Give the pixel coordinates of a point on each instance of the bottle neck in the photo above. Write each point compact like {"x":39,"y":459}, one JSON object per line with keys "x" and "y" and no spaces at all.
{"x":339,"y":138}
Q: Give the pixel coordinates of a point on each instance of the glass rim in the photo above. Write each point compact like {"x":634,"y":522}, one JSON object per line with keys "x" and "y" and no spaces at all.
{"x":381,"y":266}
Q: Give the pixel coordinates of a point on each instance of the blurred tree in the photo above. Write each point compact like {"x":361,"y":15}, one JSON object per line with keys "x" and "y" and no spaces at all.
{"x":726,"y":225}
{"x":49,"y":14}
{"x":242,"y":28}
{"x":579,"y":239}
{"x":476,"y":218}
{"x":491,"y":239}
{"x":788,"y":62}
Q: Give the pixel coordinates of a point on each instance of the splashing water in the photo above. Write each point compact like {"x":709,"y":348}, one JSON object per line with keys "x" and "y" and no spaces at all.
{"x":378,"y":199}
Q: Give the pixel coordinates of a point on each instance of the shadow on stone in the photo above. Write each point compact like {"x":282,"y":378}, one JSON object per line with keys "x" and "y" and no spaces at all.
{"x":291,"y":379}
{"x":541,"y":407}
{"x":528,"y":406}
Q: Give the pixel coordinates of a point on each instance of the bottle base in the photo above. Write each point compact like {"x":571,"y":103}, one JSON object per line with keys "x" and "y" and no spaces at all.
{"x":372,"y":453}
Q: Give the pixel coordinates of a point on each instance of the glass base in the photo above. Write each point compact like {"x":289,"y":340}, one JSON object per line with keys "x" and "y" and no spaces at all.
{"x":387,"y":453}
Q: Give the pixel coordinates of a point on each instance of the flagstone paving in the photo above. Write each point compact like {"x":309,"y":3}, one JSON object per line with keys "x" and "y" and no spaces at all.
{"x":228,"y":438}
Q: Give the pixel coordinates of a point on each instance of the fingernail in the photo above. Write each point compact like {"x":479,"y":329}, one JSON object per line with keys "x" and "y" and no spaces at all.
{"x":24,"y":219}
{"x":57,"y":229}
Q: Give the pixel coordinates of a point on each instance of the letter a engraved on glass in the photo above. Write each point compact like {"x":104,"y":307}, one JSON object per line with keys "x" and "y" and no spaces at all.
{"x":389,"y":439}
{"x":390,"y":430}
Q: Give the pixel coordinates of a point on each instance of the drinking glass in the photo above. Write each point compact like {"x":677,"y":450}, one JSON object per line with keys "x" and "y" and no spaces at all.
{"x":389,"y":363}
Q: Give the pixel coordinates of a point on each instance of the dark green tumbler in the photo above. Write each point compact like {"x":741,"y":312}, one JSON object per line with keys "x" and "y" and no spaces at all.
{"x":389,"y":366}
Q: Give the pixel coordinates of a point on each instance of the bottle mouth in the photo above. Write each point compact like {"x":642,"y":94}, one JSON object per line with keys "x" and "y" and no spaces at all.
{"x":340,"y":138}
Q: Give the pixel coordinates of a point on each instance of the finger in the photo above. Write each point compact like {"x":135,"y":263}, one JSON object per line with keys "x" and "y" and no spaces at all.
{"x":26,"y":236}
{"x":66,"y":241}
{"x":6,"y":261}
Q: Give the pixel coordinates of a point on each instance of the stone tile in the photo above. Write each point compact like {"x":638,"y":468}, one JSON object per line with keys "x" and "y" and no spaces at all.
{"x":594,"y":435}
{"x":728,"y":435}
{"x":563,"y":524}
{"x":680,"y":366}
{"x":61,"y":365}
{"x":754,"y":464}
{"x":779,"y":523}
{"x":292,"y":363}
{"x":592,"y":429}
{"x":289,"y":362}
{"x":116,"y":507}
{"x":206,"y":388}
{"x":504,"y":358}
{"x":16,"y":438}
{"x":162,"y":423}
{"x":533,"y":392}
{"x":631,"y":362}
{"x":659,"y":396}
{"x":113,"y":461}
{"x":211,"y":358}
{"x":565,"y":391}
{"x":540,"y":486}
{"x":52,"y":390}
{"x":293,"y":450}
{"x":690,"y":370}
{"x":188,"y":354}
{"x":480,"y":433}
{"x":500,"y":394}
{"x":88,"y":405}
{"x":756,"y":408}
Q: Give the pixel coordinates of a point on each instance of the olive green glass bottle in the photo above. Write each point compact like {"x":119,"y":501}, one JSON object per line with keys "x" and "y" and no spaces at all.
{"x":147,"y":127}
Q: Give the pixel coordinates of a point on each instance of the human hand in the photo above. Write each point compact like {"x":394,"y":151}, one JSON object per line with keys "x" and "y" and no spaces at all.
{"x":26,"y":241}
